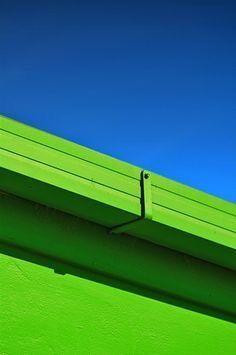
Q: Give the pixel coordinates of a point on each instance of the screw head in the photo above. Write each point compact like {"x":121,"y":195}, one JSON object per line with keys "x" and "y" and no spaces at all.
{"x":146,"y":175}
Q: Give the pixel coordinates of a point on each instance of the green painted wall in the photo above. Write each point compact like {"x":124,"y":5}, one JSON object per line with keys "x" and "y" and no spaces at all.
{"x":47,"y":313}
{"x":68,"y":286}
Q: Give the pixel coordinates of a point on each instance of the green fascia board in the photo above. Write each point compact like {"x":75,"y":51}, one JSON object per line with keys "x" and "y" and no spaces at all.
{"x":57,"y":173}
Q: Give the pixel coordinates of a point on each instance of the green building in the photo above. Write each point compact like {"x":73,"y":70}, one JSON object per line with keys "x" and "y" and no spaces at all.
{"x":102,"y":257}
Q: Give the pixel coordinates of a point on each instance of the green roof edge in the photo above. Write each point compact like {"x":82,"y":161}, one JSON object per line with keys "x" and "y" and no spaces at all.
{"x":57,"y":173}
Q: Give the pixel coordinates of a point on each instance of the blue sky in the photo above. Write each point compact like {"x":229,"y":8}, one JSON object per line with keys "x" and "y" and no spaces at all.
{"x":149,"y":82}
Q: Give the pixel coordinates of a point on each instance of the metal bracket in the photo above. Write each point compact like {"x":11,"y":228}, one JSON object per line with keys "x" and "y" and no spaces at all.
{"x":146,"y":204}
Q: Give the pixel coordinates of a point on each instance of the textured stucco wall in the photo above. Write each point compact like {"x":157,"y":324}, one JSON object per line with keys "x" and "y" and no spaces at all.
{"x":43,"y":312}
